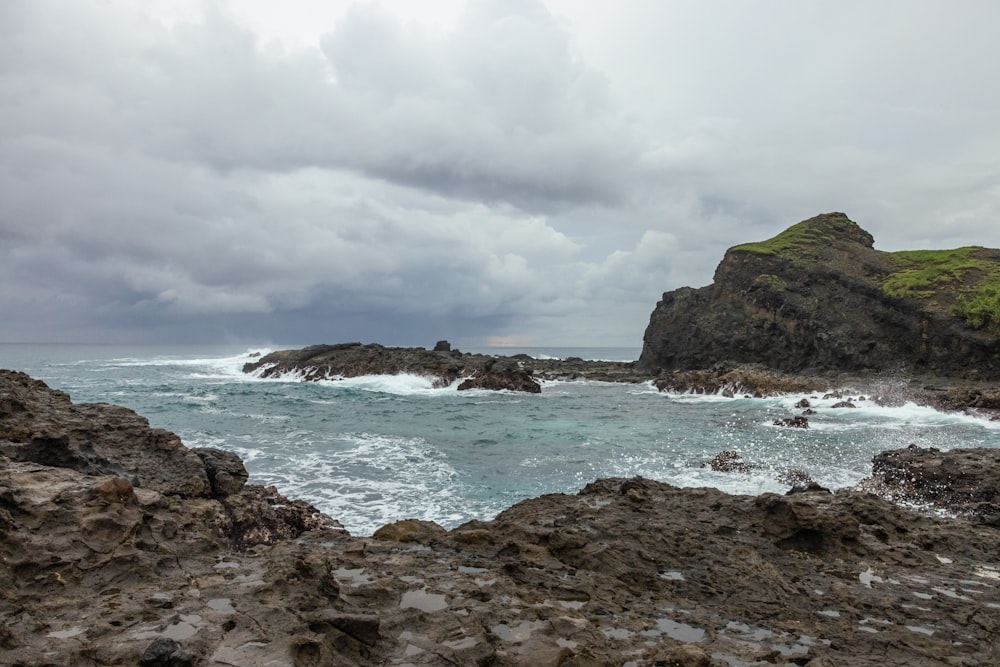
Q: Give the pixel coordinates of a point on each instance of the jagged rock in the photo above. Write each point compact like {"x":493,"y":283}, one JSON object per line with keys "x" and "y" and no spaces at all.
{"x":499,"y":376}
{"x":442,"y":346}
{"x":97,"y":571}
{"x":768,"y":305}
{"x":753,"y":380}
{"x":326,"y":362}
{"x":797,"y":421}
{"x":728,"y":461}
{"x":959,"y":480}
{"x":225,"y":470}
{"x":803,"y":403}
{"x":843,"y":404}
{"x":42,"y":425}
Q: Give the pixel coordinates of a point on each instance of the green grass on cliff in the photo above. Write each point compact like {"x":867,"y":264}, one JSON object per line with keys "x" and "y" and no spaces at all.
{"x":794,"y":238}
{"x":922,"y":273}
{"x":966,"y":278}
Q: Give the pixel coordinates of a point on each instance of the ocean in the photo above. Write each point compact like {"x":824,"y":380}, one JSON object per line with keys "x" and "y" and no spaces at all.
{"x":369,"y":451}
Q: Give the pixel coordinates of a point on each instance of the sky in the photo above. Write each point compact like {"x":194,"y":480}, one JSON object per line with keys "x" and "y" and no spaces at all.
{"x":519,"y":172}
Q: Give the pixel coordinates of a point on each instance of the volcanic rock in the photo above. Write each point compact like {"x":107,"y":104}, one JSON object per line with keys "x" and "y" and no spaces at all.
{"x":475,"y":371}
{"x":797,"y":421}
{"x":818,"y":297}
{"x":96,"y":570}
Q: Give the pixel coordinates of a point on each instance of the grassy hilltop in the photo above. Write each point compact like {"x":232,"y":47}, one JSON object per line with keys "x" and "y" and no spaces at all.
{"x":964,"y":282}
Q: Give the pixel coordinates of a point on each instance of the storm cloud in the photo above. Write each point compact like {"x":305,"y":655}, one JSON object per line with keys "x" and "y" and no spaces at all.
{"x":535,"y":172}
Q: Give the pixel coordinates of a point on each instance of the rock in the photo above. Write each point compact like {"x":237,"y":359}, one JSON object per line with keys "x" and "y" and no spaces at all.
{"x":754,"y":380}
{"x":497,"y":376}
{"x":803,"y":403}
{"x":167,"y":653}
{"x":728,"y":461}
{"x":261,"y":515}
{"x":766,"y":306}
{"x":410,"y":530}
{"x":442,"y":346}
{"x":960,"y":480}
{"x":798,"y":421}
{"x":685,"y":655}
{"x":325,"y":362}
{"x":226,"y":472}
{"x":843,"y":404}
{"x":41,"y":425}
{"x":96,"y":570}
{"x":798,"y":479}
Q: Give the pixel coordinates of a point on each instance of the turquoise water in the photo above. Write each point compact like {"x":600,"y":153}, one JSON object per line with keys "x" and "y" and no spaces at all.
{"x":372,"y":450}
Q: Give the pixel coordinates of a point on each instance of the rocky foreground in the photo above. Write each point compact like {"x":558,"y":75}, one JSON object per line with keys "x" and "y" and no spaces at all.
{"x":121,"y":546}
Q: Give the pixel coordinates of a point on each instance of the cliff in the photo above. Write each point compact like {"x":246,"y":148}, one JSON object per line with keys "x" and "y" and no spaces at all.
{"x":819,"y":297}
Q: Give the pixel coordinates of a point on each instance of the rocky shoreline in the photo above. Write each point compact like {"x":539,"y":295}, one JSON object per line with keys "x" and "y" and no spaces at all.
{"x":524,"y":373}
{"x":119,"y":545}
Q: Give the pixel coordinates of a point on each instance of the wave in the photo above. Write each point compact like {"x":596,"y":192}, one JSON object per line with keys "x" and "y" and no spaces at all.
{"x":366,"y":480}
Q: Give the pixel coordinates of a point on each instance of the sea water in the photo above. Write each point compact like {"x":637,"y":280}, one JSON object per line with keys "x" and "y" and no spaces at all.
{"x":372,"y":450}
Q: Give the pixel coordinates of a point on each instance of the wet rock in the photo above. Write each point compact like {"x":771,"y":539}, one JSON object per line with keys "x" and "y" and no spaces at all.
{"x":753,"y":380}
{"x":167,"y":653}
{"x":502,"y":376}
{"x":798,"y":421}
{"x":960,"y":480}
{"x":803,"y":403}
{"x":843,"y":404}
{"x":518,"y":373}
{"x":99,"y":571}
{"x":728,"y":461}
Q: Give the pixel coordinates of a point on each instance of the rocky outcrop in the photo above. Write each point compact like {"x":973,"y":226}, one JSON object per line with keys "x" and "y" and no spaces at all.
{"x":444,"y":364}
{"x":818,"y":297}
{"x":964,"y":481}
{"x":96,"y":570}
{"x":499,"y":375}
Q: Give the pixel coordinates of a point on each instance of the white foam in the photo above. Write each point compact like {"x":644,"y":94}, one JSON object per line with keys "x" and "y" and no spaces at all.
{"x":404,"y":384}
{"x":368,"y":480}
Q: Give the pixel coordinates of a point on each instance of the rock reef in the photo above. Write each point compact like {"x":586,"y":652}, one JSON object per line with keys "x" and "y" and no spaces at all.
{"x":121,"y":546}
{"x":445,"y":365}
{"x":819,"y":297}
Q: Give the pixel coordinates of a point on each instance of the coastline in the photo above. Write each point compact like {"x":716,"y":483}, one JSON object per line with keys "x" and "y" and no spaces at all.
{"x":326,"y":362}
{"x":139,"y":561}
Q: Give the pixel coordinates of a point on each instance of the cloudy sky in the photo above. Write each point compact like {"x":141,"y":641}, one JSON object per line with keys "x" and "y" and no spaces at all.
{"x":488,"y":171}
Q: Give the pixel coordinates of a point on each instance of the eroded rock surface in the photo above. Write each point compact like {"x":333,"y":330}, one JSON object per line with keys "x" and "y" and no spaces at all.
{"x":97,"y":570}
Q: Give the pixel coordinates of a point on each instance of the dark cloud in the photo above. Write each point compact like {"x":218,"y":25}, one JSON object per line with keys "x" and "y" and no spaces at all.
{"x":521,"y":175}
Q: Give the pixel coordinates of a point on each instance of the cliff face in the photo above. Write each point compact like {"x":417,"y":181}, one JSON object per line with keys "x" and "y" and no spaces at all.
{"x":819,"y":297}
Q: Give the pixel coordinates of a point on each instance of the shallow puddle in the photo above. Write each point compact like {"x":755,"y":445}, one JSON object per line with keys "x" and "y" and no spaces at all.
{"x":221,"y":605}
{"x":422,"y":600}
{"x":66,"y":634}
{"x":681,"y":632}
{"x":518,"y":633}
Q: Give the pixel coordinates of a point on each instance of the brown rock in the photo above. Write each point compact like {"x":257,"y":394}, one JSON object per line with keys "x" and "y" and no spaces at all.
{"x":410,"y":530}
